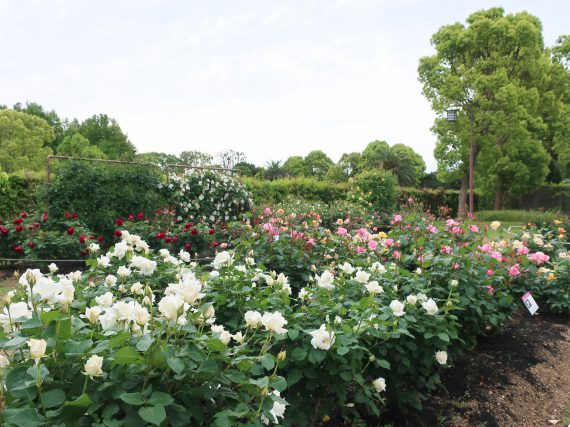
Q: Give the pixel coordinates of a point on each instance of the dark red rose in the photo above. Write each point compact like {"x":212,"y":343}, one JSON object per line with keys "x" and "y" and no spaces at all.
{"x":19,"y":228}
{"x":193,"y":232}
{"x":140,"y":215}
{"x":74,"y":215}
{"x":84,"y":252}
{"x":119,"y":222}
{"x":211,"y":231}
{"x":168,"y":239}
{"x":4,"y":231}
{"x":131,"y":217}
{"x":216,"y":244}
{"x":118,"y":233}
{"x":17,"y":221}
{"x":67,"y":215}
{"x":17,"y":248}
{"x":187,"y":246}
{"x":44,"y":217}
{"x":31,"y":245}
{"x":160,"y":235}
{"x":100,"y":239}
{"x":92,"y":237}
{"x":24,"y":215}
{"x":36,"y":225}
{"x":70,"y":231}
{"x":175,"y":239}
{"x":187,"y":226}
{"x":82,"y":239}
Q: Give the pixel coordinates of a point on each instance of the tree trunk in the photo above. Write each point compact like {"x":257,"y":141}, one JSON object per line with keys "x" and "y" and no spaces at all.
{"x":462,"y":206}
{"x":499,"y":193}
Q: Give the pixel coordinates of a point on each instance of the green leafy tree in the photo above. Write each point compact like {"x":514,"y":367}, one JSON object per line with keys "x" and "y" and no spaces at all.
{"x":273,"y":170}
{"x":78,"y":146}
{"x":229,"y":158}
{"x":106,"y":134}
{"x":295,"y":166}
{"x":196,"y":158}
{"x":318,"y":163}
{"x":407,"y":165}
{"x":158,"y":157}
{"x":51,"y":117}
{"x":247,"y":169}
{"x":24,"y":141}
{"x":493,"y":69}
{"x":374,"y":155}
{"x":408,"y":155}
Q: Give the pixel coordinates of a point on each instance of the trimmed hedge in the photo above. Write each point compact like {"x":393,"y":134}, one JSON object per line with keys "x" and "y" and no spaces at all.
{"x":308,"y":188}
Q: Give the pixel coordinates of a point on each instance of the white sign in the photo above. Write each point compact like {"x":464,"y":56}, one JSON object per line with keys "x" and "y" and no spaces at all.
{"x":530,"y":303}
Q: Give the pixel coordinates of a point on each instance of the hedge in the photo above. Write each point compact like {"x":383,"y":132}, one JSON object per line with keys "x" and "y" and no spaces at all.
{"x":17,"y":193}
{"x":307,"y":188}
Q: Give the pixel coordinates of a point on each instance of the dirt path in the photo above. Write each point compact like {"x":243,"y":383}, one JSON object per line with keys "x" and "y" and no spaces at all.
{"x":518,"y":378}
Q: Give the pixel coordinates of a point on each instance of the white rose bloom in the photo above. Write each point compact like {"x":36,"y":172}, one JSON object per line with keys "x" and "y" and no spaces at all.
{"x":209,"y":313}
{"x":125,"y":311}
{"x":418,"y":271}
{"x":378,"y":268}
{"x":47,"y":289}
{"x":412,"y":299}
{"x":4,"y":362}
{"x":441,"y":357}
{"x":145,"y":266}
{"x":142,"y":316}
{"x":123,"y":271}
{"x":422,"y":297}
{"x":362,"y":276}
{"x":325,"y":280}
{"x":269,"y":280}
{"x":121,"y":249}
{"x":454,"y":283}
{"x":19,"y":312}
{"x":430,"y":307}
{"x":274,"y":322}
{"x":250,"y":261}
{"x":225,"y":337}
{"x":92,"y":314}
{"x":137,"y":288}
{"x":110,"y":280}
{"x":164,"y":253}
{"x":218,"y":329}
{"x":374,"y":288}
{"x":94,"y":247}
{"x":108,"y":320}
{"x":241,"y":268}
{"x":53,"y":268}
{"x":222,"y":259}
{"x":103,"y":261}
{"x":67,"y":293}
{"x":347,"y":268}
{"x":184,"y":256}
{"x":172,"y":260}
{"x":303,"y":294}
{"x":322,"y":339}
{"x":278,"y":410}
{"x":252,"y":318}
{"x":105,"y":300}
{"x":397,"y":308}
{"x":238,"y":337}
{"x":190,"y":291}
{"x":379,"y":384}
{"x":169,"y":306}
{"x":495,"y":225}
{"x":214,"y":274}
{"x":37,"y":349}
{"x":94,"y":366}
{"x":75,"y":276}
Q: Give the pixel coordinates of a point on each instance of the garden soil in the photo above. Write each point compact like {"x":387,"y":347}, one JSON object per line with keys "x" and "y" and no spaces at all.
{"x":520,"y":378}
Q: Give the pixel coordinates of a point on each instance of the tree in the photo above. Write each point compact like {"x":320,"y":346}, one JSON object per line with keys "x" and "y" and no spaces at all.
{"x":408,"y":155}
{"x":78,"y":146}
{"x":318,"y":163}
{"x":196,"y":158}
{"x":295,"y":166}
{"x":229,"y":158}
{"x":493,"y":69}
{"x":374,"y":155}
{"x":273,"y":170}
{"x":49,"y":116}
{"x":23,"y":141}
{"x":157,"y":157}
{"x":106,"y":134}
{"x":247,"y":169}
{"x":347,"y":167}
{"x":403,"y":161}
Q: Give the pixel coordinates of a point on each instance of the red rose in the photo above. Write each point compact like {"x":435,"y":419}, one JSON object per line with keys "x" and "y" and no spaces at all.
{"x":67,"y":215}
{"x":100,"y":239}
{"x":84,"y":252}
{"x":17,"y":248}
{"x":17,"y":221}
{"x":119,"y":222}
{"x":188,"y":225}
{"x":23,"y":214}
{"x":193,"y":232}
{"x":118,"y":233}
{"x":168,"y":239}
{"x":31,"y":245}
{"x":82,"y":239}
{"x":187,"y":246}
{"x":140,"y":215}
{"x":4,"y":231}
{"x":70,"y":231}
{"x":216,"y":244}
{"x":175,"y":239}
{"x":19,"y":228}
{"x":74,"y":215}
{"x":160,"y":235}
{"x":92,"y":237}
{"x":36,"y":225}
{"x":131,"y":217}
{"x":44,"y":217}
{"x":211,"y":231}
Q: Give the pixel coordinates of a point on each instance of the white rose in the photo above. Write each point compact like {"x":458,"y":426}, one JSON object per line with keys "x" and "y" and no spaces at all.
{"x":252,"y":318}
{"x":68,"y":292}
{"x":105,"y":300}
{"x":123,"y":271}
{"x":184,"y":256}
{"x":325,"y":280}
{"x":19,"y":311}
{"x":222,"y":259}
{"x":110,"y":280}
{"x":103,"y":261}
{"x":430,"y":307}
{"x":145,"y":266}
{"x":397,"y":308}
{"x":379,"y":384}
{"x":238,"y":337}
{"x":142,"y":316}
{"x":108,"y":320}
{"x":137,"y":288}
{"x":495,"y":225}
{"x":378,"y":268}
{"x":454,"y":283}
{"x":53,"y":268}
{"x":347,"y":268}
{"x":441,"y":357}
{"x":169,"y":306}
{"x":374,"y":288}
{"x":225,"y":337}
{"x":37,"y":349}
{"x":94,"y":366}
{"x":94,"y":247}
{"x":362,"y":276}
{"x":125,"y":311}
{"x":92,"y":314}
{"x":274,"y":322}
{"x":4,"y":362}
{"x":322,"y":339}
{"x":412,"y":299}
{"x":120,"y":250}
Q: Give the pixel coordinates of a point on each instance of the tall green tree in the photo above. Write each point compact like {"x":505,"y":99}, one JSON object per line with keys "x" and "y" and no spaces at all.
{"x":318,"y":163}
{"x":407,"y":165}
{"x":296,"y":166}
{"x":78,"y":146}
{"x":247,"y":169}
{"x":273,"y":170}
{"x":493,"y":69}
{"x":24,"y":141}
{"x":196,"y":158}
{"x":51,"y":117}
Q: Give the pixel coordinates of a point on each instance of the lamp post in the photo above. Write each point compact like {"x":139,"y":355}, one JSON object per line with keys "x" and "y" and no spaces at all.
{"x":452,"y":116}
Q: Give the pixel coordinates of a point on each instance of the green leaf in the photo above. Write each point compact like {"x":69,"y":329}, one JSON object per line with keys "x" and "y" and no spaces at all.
{"x":15,"y":343}
{"x":268,"y":361}
{"x":77,"y":347}
{"x":126,"y":356}
{"x":342,"y":350}
{"x":160,"y":398}
{"x":294,"y":376}
{"x":383,"y":363}
{"x":260,"y":382}
{"x":23,"y":417}
{"x":214,"y":344}
{"x":443,"y":336}
{"x":53,"y":398}
{"x":279,"y":383}
{"x":84,"y":401}
{"x":298,"y":354}
{"x":175,"y":364}
{"x":132,"y":398}
{"x":144,"y":343}
{"x":153,"y":414}
{"x":119,"y":340}
{"x":293,"y":333}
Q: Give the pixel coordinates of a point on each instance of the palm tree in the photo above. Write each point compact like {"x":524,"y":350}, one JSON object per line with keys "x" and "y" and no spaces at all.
{"x":273,"y":170}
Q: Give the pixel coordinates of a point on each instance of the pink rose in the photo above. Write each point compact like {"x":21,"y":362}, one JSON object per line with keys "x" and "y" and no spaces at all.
{"x":267,"y":211}
{"x":388,"y":242}
{"x":514,"y":271}
{"x":523,"y":251}
{"x":397,"y":218}
{"x":397,"y":254}
{"x":490,"y":289}
{"x":490,"y":272}
{"x":372,"y":245}
{"x":474,"y":228}
{"x":360,"y":249}
{"x":538,"y":258}
{"x":342,"y":231}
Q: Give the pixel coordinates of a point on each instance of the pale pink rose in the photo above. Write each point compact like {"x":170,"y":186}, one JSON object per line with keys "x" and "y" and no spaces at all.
{"x":397,"y":254}
{"x":523,"y":250}
{"x":388,"y":242}
{"x":514,"y":271}
{"x":487,"y":248}
{"x":360,"y":249}
{"x":267,"y":211}
{"x":538,"y":258}
{"x":451,"y":222}
{"x":474,"y":228}
{"x":490,"y":289}
{"x":342,"y":231}
{"x":456,"y":230}
{"x":372,"y":245}
{"x":446,"y":249}
{"x":456,"y":266}
{"x":431,"y":229}
{"x":497,"y":255}
{"x":490,"y":272}
{"x":397,"y":218}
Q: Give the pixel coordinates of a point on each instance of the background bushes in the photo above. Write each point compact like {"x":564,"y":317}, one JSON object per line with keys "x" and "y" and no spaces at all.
{"x":308,"y":188}
{"x":17,"y":193}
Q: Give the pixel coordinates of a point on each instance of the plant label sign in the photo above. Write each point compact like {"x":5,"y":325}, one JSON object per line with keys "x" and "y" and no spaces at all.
{"x":530,"y":303}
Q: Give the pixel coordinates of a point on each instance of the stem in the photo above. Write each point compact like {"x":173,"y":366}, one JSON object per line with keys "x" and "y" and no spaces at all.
{"x":85,"y":384}
{"x":39,"y":386}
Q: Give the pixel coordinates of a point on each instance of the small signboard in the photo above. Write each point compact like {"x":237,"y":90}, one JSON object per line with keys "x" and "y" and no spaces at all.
{"x":530,"y":303}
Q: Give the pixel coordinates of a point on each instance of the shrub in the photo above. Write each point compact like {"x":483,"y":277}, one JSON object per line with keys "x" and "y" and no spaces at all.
{"x":100,"y":193}
{"x":380,"y":188}
{"x":17,"y":193}
{"x":441,"y":202}
{"x":277,"y":191}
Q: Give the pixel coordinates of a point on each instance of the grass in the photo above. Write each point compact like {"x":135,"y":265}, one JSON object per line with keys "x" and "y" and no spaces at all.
{"x":521,"y":216}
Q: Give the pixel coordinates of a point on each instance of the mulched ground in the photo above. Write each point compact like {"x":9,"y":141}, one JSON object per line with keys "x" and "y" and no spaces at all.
{"x":518,"y":378}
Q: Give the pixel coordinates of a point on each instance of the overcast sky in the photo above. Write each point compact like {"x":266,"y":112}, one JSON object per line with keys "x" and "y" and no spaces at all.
{"x":269,"y":78}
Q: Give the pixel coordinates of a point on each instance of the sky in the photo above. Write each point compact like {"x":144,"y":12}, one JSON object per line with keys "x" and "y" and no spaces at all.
{"x":269,"y":78}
